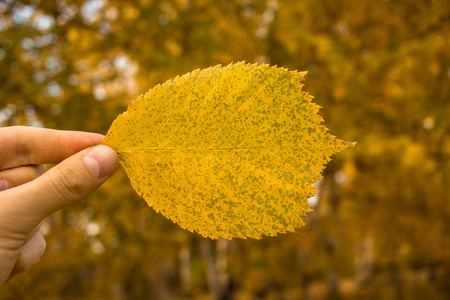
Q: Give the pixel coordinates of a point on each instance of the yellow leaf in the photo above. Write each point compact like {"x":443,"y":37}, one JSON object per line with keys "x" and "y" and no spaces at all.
{"x":226,"y":151}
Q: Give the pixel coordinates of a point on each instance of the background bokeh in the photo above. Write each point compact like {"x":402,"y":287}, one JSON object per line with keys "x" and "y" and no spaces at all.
{"x":379,"y":68}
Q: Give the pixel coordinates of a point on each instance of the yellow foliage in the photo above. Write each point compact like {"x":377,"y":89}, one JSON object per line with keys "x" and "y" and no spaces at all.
{"x":226,"y":151}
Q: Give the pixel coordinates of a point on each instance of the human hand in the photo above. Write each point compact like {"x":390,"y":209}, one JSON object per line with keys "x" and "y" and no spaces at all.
{"x":26,"y":198}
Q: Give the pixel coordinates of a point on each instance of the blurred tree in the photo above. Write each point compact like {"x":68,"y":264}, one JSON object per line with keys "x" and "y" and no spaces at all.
{"x":380,"y":69}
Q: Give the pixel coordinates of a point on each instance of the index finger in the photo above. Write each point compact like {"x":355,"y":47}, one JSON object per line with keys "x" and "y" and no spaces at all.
{"x":21,"y":145}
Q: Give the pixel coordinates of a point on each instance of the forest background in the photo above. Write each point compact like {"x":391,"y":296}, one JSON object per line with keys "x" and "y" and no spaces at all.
{"x":379,"y":69}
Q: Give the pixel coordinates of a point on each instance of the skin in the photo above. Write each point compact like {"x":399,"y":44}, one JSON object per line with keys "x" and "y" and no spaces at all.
{"x":28,"y":195}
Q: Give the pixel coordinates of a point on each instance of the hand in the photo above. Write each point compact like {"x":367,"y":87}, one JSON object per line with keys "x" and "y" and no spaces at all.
{"x":26,"y":198}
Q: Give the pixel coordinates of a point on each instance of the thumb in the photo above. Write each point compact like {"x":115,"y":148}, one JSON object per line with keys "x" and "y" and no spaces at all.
{"x":68,"y":182}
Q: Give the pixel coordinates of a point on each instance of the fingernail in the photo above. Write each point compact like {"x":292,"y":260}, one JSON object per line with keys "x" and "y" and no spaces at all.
{"x":4,"y":185}
{"x":101,"y":160}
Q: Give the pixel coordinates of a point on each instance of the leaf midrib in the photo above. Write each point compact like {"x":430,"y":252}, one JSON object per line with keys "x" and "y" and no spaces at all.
{"x":200,"y":150}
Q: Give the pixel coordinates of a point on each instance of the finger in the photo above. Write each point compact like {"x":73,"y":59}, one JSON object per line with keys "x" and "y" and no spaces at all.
{"x":20,"y":145}
{"x":30,"y":253}
{"x":63,"y":185}
{"x":10,"y":253}
{"x":35,"y":230}
{"x":20,"y":175}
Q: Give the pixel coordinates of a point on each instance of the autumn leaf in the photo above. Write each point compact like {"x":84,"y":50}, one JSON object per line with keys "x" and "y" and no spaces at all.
{"x":226,"y":151}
